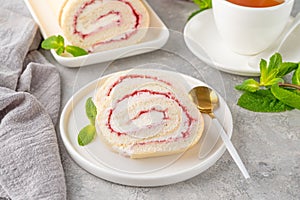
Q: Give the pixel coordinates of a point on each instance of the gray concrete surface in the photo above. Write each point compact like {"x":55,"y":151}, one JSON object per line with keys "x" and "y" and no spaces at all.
{"x":269,"y":144}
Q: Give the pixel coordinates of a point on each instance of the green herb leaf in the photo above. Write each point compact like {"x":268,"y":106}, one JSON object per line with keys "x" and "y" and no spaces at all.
{"x":60,"y":50}
{"x":285,"y":68}
{"x":53,"y":42}
{"x":249,"y":85}
{"x":296,"y":76}
{"x":262,"y":101}
{"x":274,"y":81}
{"x":86,"y":135}
{"x":203,"y":3}
{"x":76,"y":51}
{"x":274,"y":62}
{"x":263,"y":69}
{"x":286,"y":96}
{"x":269,"y":71}
{"x":91,"y":110}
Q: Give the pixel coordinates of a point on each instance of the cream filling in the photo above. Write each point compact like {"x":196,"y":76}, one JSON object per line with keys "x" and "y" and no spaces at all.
{"x":141,"y":117}
{"x":85,"y":27}
{"x":87,"y":24}
{"x":151,"y":134}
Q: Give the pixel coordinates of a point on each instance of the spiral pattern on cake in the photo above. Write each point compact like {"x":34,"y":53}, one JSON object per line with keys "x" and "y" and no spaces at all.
{"x":98,"y":25}
{"x":145,"y":113}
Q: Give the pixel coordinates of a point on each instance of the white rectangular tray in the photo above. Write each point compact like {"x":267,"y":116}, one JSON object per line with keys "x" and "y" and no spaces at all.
{"x":156,"y":37}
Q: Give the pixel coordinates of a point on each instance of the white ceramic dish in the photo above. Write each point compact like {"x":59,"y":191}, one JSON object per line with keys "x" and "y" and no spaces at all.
{"x":156,"y":37}
{"x":97,"y":159}
{"x":202,"y":38}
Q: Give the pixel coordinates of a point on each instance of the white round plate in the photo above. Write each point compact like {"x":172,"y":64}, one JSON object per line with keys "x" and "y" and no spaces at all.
{"x":202,"y":38}
{"x":97,"y":158}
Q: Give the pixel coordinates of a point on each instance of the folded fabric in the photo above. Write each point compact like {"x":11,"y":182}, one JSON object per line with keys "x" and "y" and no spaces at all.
{"x":30,"y":165}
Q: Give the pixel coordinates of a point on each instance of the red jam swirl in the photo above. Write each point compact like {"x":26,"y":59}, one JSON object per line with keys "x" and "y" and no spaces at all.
{"x":131,"y":76}
{"x":117,"y":22}
{"x":168,"y":95}
{"x":142,"y":112}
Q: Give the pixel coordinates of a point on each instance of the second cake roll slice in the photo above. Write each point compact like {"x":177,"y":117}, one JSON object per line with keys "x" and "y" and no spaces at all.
{"x":98,"y":25}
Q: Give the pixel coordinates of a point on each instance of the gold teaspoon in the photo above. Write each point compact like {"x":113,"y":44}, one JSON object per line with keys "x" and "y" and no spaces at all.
{"x":206,"y":100}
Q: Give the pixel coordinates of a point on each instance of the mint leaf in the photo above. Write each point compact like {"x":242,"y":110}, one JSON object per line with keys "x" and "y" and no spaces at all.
{"x":60,"y":50}
{"x":76,"y":51}
{"x":296,"y":76}
{"x":249,"y":85}
{"x":286,"y":96}
{"x":262,"y":101}
{"x":203,"y":3}
{"x":285,"y":68}
{"x":53,"y":42}
{"x":263,"y":69}
{"x":274,"y":62}
{"x":86,"y":135}
{"x":91,"y":110}
{"x":274,"y":81}
{"x":269,"y":71}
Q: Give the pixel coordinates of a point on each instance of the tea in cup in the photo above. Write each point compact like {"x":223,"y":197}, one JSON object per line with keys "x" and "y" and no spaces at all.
{"x":257,"y":3}
{"x":250,"y":26}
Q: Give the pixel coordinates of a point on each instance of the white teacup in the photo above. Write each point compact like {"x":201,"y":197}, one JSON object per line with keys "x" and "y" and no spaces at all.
{"x":250,"y":30}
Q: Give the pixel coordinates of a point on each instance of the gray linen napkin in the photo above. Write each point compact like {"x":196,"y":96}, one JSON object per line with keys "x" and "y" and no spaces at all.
{"x":30,"y":165}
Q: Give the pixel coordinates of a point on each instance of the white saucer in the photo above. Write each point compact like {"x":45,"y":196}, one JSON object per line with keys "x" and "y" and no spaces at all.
{"x":99,"y":160}
{"x":202,"y":38}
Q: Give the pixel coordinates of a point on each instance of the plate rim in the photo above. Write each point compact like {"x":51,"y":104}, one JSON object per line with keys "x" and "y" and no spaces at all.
{"x":129,"y":178}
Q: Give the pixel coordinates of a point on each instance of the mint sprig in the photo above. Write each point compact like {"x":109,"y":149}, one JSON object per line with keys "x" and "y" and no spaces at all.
{"x":87,"y":134}
{"x":58,"y":44}
{"x":271,"y":93}
{"x":273,"y":72}
{"x":203,"y":5}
